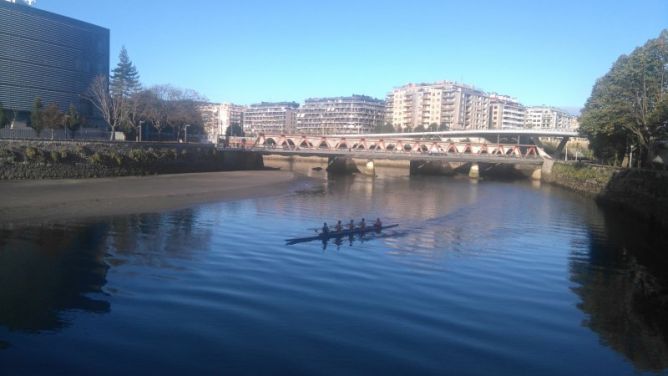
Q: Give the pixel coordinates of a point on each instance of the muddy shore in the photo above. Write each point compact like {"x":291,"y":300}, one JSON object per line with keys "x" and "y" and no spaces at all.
{"x":26,"y":202}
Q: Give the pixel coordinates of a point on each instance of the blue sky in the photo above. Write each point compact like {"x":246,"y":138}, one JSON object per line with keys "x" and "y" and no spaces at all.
{"x":246,"y":51}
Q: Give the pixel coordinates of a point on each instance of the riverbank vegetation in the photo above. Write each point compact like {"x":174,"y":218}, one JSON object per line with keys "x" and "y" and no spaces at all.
{"x":39,"y":160}
{"x":627,"y":112}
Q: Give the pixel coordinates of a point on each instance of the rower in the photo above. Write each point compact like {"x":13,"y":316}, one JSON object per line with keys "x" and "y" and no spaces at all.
{"x":338,"y":226}
{"x":362,"y":225}
{"x":325,"y":229}
{"x":351,"y":225}
{"x":378,"y":225}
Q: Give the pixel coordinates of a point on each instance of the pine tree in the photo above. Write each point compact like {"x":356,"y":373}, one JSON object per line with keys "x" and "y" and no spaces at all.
{"x":36,"y":116}
{"x":123,"y":85}
{"x":124,"y":78}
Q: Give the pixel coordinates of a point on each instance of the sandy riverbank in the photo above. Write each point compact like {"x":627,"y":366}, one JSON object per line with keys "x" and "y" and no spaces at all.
{"x":24,"y":202}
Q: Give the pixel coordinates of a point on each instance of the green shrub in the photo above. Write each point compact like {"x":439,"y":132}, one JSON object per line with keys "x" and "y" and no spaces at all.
{"x":136,"y":155}
{"x":83,"y":151}
{"x":116,"y":158}
{"x":97,"y":158}
{"x":55,"y":156}
{"x":33,"y":154}
{"x":7,"y":155}
{"x":65,"y":155}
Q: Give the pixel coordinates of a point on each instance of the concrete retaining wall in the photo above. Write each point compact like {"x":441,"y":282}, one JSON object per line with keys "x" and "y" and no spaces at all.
{"x":641,"y":192}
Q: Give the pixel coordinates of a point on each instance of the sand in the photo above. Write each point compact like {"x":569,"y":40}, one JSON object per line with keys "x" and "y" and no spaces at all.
{"x":39,"y":201}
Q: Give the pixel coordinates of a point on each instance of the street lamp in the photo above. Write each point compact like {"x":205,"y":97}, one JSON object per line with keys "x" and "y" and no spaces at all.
{"x":141,"y":122}
{"x":186,"y":133}
{"x":66,"y":123}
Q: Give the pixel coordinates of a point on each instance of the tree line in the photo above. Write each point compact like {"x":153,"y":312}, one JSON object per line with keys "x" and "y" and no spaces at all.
{"x":126,"y":106}
{"x":49,"y":117}
{"x":627,"y":112}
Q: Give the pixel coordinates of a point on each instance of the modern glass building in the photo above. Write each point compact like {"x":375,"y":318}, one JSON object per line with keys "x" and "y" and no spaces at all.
{"x":47,"y":55}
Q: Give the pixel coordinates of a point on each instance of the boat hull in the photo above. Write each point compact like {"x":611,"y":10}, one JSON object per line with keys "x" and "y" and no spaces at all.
{"x":340,"y":234}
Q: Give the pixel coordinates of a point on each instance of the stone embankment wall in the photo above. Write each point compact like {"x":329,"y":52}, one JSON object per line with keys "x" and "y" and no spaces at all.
{"x":642,"y":192}
{"x":56,"y":160}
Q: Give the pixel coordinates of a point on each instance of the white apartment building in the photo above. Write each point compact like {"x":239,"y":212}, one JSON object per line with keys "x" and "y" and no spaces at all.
{"x":340,"y":115}
{"x":440,"y":105}
{"x":266,"y":117}
{"x":217,"y":117}
{"x":545,"y":117}
{"x":506,"y":112}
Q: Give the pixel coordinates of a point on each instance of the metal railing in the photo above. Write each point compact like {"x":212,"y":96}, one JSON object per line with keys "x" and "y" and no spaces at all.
{"x":54,"y":135}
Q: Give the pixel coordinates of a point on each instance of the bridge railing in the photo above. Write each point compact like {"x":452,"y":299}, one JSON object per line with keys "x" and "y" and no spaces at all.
{"x":516,"y":151}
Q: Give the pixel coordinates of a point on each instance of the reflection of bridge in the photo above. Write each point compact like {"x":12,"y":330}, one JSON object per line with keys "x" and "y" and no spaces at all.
{"x":517,"y":147}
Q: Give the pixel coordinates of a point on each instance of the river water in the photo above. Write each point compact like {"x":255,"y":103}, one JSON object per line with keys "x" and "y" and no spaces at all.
{"x":486,"y":278}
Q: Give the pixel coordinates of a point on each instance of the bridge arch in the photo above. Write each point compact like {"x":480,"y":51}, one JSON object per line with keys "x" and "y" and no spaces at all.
{"x":342,"y":145}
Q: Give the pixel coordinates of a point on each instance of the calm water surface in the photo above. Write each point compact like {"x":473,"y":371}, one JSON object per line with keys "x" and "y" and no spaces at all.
{"x":479,"y":279}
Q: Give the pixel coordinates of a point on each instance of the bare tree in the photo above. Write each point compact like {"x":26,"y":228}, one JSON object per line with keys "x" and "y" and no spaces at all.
{"x":169,"y":106}
{"x":152,"y":107}
{"x":98,"y":95}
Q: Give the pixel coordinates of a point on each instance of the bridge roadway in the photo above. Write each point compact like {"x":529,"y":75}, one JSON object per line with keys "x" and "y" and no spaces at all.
{"x":390,"y":155}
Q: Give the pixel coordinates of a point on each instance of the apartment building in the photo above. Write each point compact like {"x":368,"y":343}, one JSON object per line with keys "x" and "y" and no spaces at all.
{"x":545,"y":117}
{"x":340,"y":115}
{"x":440,"y":105}
{"x":412,"y":105}
{"x":506,"y":112}
{"x":218,"y":117}
{"x":270,"y":117}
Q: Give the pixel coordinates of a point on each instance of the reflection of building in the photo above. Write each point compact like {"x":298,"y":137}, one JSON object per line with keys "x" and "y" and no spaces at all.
{"x":268,"y":117}
{"x":50,"y":56}
{"x":68,"y":273}
{"x":550,"y":118}
{"x":218,"y":117}
{"x":441,"y":105}
{"x":505,"y":112}
{"x":340,"y":115}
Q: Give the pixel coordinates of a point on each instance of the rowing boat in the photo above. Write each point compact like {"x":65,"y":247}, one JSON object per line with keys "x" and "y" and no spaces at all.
{"x":339,"y":234}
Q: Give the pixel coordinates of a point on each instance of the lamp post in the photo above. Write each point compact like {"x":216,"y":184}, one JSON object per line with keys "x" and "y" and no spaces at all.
{"x":186,"y":133}
{"x":141,"y":123}
{"x":66,"y":122}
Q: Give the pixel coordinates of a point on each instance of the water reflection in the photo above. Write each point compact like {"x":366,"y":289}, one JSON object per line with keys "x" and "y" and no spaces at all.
{"x":495,"y":256}
{"x":46,"y":271}
{"x":621,"y":280}
{"x":338,"y":241}
{"x":619,"y":269}
{"x":147,"y":239}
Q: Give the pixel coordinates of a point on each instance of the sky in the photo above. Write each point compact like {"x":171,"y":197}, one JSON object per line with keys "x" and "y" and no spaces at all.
{"x":248,"y":51}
